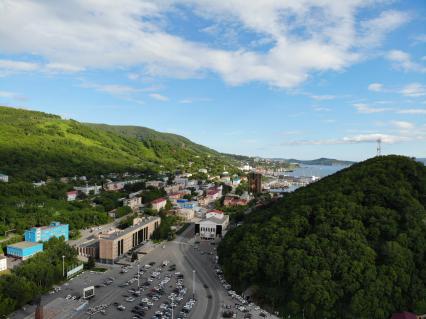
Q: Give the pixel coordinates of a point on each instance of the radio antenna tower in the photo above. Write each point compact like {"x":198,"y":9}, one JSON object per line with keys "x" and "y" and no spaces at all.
{"x":379,"y":147}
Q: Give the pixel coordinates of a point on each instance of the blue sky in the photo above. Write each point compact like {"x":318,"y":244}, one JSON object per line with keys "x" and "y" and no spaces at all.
{"x":292,"y":79}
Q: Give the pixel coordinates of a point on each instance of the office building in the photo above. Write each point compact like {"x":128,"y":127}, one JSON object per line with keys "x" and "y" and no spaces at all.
{"x":114,"y":245}
{"x":42,"y":234}
{"x":255,"y":183}
{"x":24,"y":249}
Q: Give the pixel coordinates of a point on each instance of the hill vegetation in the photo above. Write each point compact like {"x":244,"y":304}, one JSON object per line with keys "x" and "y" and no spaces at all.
{"x":34,"y":145}
{"x":352,"y":245}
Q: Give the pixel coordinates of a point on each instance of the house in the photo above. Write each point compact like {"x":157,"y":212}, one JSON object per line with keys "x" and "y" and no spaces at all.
{"x":203,"y":170}
{"x":404,"y":315}
{"x":87,"y":190}
{"x":214,"y":225}
{"x":38,"y":184}
{"x":185,"y":214}
{"x":72,"y":195}
{"x":113,"y":186}
{"x":4,"y":178}
{"x":159,"y":203}
{"x":234,"y":201}
{"x":175,"y":196}
{"x":173,"y":189}
{"x":3,"y":263}
{"x":134,"y":203}
{"x":155,"y":184}
{"x":214,"y":193}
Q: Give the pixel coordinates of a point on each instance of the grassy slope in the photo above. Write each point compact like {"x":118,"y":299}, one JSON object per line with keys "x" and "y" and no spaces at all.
{"x":36,"y":144}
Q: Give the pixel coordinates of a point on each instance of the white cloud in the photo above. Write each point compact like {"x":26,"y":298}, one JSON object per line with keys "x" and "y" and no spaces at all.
{"x":113,"y":89}
{"x":355,"y":139}
{"x":159,"y":97}
{"x":321,"y":109}
{"x":412,"y":111}
{"x":403,"y":125}
{"x":414,"y":90}
{"x":376,"y":87}
{"x":62,"y":67}
{"x":402,"y":61}
{"x":304,"y":36}
{"x":11,"y":66}
{"x":366,"y":109}
{"x":419,"y":38}
{"x":323,"y":97}
{"x":12,"y":96}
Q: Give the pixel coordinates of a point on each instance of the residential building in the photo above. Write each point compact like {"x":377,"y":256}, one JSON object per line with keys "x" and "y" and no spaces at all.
{"x":42,"y":234}
{"x":38,"y":184}
{"x":87,"y":190}
{"x":3,"y":263}
{"x":114,"y":186}
{"x":72,"y":196}
{"x":114,"y":245}
{"x":214,"y":225}
{"x":255,"y":183}
{"x":134,"y":203}
{"x":214,"y":193}
{"x":159,"y":203}
{"x":155,"y":184}
{"x":175,"y":196}
{"x":4,"y":178}
{"x":234,"y":201}
{"x":203,"y":170}
{"x":185,"y":214}
{"x":171,"y":189}
{"x":184,"y":203}
{"x":24,"y":249}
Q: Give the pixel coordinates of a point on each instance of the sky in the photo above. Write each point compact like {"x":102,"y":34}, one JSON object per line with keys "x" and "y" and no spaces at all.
{"x":273,"y":78}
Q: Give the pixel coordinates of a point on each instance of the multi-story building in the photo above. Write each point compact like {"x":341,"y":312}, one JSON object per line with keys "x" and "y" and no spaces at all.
{"x":255,"y":183}
{"x":213,"y":225}
{"x":42,"y":234}
{"x":114,"y":186}
{"x":159,"y":203}
{"x":89,"y":249}
{"x":87,"y":190}
{"x":134,"y":203}
{"x":185,"y":214}
{"x":114,"y":245}
{"x":155,"y":184}
{"x":3,"y":263}
{"x":4,"y":178}
{"x":24,"y":249}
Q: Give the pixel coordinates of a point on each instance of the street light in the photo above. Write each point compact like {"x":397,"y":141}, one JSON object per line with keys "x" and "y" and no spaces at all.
{"x":63,"y":266}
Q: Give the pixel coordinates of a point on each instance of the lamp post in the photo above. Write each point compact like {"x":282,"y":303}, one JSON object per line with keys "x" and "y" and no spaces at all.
{"x":193,"y":284}
{"x":63,"y":266}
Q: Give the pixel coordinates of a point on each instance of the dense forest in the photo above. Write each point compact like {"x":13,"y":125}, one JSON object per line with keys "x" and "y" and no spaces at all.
{"x":352,"y":245}
{"x":34,"y":145}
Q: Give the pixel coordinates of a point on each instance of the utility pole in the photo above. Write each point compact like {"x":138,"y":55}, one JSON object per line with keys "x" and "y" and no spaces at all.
{"x":193,"y":284}
{"x":63,"y":266}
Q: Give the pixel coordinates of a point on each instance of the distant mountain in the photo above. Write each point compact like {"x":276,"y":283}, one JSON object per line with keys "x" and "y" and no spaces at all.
{"x":351,"y":245}
{"x":319,"y":161}
{"x":421,"y":160}
{"x":35,"y":145}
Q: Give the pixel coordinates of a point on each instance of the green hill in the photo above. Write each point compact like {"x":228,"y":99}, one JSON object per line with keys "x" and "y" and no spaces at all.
{"x":352,"y":245}
{"x":34,"y":145}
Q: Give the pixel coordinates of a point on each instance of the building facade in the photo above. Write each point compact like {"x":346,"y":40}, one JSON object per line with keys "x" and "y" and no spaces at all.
{"x":3,"y":263}
{"x":115,"y":245}
{"x":159,"y":203}
{"x":24,"y":249}
{"x":255,"y":183}
{"x":134,"y":203}
{"x":214,"y":225}
{"x":72,"y":196}
{"x":42,"y":234}
{"x":4,"y":178}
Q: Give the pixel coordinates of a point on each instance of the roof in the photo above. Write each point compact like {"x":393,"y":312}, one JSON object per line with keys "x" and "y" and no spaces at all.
{"x":215,"y":211}
{"x":158,"y":200}
{"x":24,"y":244}
{"x":215,"y":220}
{"x":72,"y":193}
{"x":118,"y":234}
{"x":404,"y":315}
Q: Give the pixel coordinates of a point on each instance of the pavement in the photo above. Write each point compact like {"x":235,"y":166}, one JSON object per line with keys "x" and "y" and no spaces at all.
{"x":187,"y":254}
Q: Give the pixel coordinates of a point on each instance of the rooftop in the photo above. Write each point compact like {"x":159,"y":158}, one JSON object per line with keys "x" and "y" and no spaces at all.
{"x":131,"y":229}
{"x":24,"y":244}
{"x":158,"y":200}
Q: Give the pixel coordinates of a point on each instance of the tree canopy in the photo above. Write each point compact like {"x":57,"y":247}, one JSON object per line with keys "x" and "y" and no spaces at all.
{"x":349,"y":246}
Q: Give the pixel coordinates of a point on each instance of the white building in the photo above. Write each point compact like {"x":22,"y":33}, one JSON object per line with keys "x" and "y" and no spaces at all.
{"x":214,"y":225}
{"x":87,"y":189}
{"x":4,"y":178}
{"x":186,"y":214}
{"x":159,"y":203}
{"x":3,"y":263}
{"x":72,"y":195}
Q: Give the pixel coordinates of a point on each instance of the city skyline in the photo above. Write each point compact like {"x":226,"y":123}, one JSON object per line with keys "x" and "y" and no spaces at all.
{"x":282,"y":79}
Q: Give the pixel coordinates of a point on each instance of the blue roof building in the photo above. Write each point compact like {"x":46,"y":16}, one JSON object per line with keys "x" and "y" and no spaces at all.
{"x":42,"y":234}
{"x":184,"y":203}
{"x":24,"y":249}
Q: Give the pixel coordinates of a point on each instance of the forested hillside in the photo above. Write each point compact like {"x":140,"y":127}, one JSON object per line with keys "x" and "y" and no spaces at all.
{"x":34,"y":145}
{"x":349,"y":246}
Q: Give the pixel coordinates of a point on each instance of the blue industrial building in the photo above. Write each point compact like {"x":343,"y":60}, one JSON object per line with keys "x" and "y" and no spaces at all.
{"x":42,"y":234}
{"x":24,"y":249}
